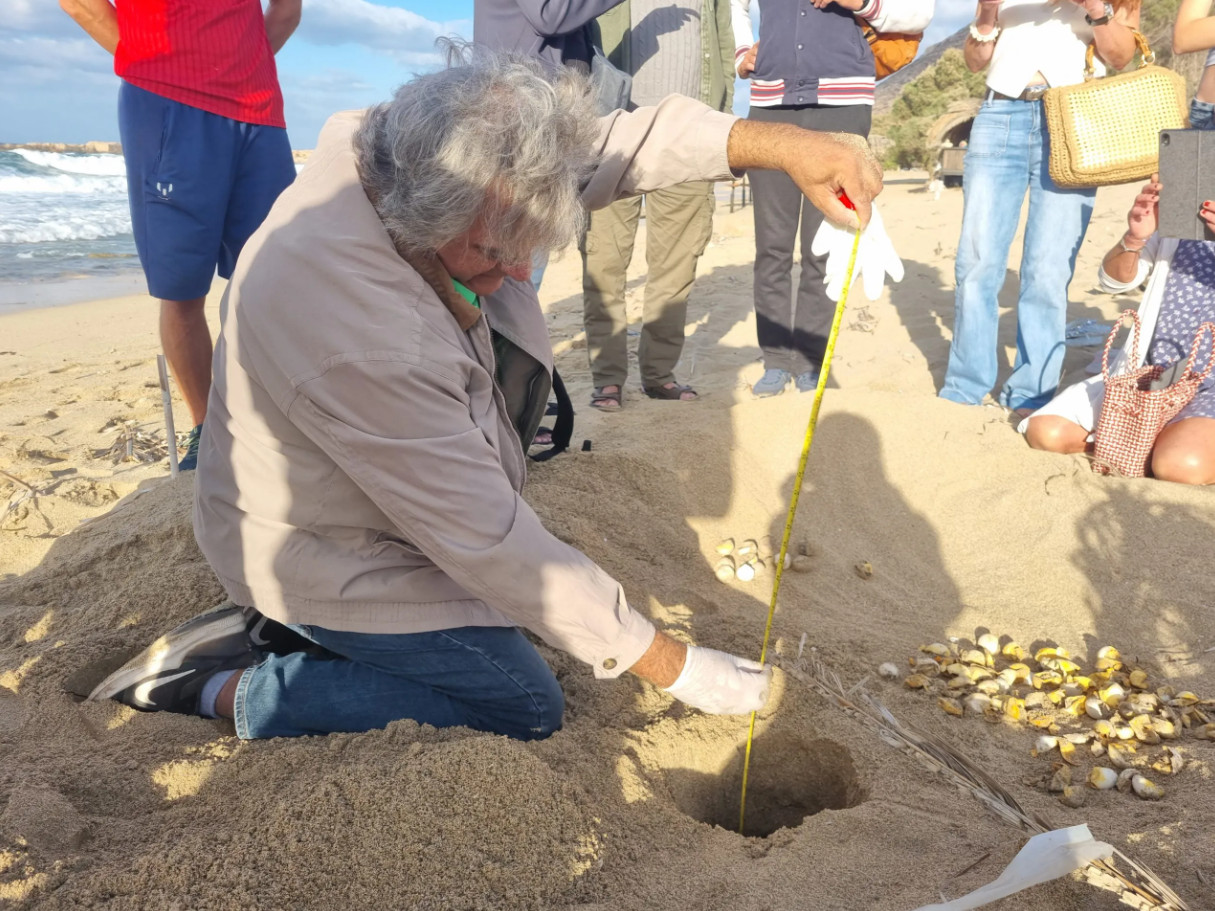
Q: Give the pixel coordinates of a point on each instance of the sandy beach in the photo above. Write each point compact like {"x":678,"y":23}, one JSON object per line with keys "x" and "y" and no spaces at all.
{"x":633,"y":805}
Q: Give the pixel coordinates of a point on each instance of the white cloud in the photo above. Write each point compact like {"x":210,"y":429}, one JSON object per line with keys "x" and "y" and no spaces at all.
{"x":41,"y":16}
{"x":48,"y":59}
{"x":398,"y":33}
{"x":955,"y":10}
{"x":311,"y":98}
{"x":327,"y":82}
{"x":950,"y":16}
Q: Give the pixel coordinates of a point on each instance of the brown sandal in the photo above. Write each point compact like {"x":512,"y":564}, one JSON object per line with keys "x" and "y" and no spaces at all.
{"x":671,"y":393}
{"x":608,"y":401}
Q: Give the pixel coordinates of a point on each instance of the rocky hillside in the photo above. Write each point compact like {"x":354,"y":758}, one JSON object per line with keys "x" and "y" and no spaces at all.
{"x":890,"y":88}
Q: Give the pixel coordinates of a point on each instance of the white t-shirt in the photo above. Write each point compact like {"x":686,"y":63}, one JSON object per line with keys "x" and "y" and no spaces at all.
{"x":1040,"y":36}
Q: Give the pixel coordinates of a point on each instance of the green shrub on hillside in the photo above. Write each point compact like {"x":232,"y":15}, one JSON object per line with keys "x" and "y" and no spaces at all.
{"x":1153,"y":16}
{"x":922,"y":101}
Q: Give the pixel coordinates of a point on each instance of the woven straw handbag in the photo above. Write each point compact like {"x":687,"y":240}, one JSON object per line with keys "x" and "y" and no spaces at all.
{"x":1132,"y":414}
{"x":1107,"y":131}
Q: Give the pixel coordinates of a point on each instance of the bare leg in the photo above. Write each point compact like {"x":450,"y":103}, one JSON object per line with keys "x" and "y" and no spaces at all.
{"x":1185,"y":452}
{"x":1052,"y":433}
{"x":187,"y":342}
{"x":226,"y":697}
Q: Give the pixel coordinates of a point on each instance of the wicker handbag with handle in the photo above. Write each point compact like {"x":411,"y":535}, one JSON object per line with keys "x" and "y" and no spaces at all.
{"x":1132,"y":413}
{"x":1107,"y":131}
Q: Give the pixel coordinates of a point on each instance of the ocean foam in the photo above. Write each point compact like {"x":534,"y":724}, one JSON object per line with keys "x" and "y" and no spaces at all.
{"x":76,"y":163}
{"x":55,"y":197}
{"x":57,"y":222}
{"x":54,"y":184}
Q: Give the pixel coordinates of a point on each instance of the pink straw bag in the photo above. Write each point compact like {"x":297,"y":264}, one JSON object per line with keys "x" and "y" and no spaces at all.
{"x":1132,"y":413}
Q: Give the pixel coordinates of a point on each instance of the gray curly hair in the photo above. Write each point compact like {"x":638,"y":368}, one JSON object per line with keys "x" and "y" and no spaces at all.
{"x":492,"y":135}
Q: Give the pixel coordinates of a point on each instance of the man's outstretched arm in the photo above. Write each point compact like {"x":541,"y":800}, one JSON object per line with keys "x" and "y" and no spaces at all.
{"x":680,"y":139}
{"x":823,"y":165}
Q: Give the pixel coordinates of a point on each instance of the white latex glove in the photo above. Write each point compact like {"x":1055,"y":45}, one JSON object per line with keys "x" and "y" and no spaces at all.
{"x":836,"y":244}
{"x":721,"y":684}
{"x":875,"y":257}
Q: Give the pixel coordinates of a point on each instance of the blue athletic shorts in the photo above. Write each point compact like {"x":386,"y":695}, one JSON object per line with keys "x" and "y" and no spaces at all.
{"x":199,"y":186}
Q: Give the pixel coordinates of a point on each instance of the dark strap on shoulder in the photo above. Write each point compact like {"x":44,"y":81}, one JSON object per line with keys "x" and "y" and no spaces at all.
{"x":563,"y":427}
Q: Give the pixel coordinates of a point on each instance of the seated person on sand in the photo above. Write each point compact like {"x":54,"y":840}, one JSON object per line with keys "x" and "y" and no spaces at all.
{"x":1180,"y":296}
{"x":382,"y":366}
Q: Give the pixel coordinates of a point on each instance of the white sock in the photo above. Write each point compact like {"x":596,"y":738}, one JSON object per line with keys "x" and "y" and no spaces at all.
{"x":210,"y":692}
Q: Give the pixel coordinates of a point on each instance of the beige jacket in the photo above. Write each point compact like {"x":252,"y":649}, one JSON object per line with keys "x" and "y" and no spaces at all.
{"x":359,"y":467}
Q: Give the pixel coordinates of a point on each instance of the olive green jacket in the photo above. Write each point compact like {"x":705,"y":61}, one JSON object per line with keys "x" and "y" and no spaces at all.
{"x":717,"y":43}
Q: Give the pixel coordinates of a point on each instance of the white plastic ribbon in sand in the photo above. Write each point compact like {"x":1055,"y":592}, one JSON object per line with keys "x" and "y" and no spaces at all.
{"x":1048,"y":856}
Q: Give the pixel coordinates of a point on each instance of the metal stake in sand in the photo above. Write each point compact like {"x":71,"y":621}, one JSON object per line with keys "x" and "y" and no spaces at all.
{"x":797,"y":489}
{"x":162,"y":371}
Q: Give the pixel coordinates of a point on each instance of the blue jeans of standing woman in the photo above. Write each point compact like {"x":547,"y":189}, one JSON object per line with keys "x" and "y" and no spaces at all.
{"x":1202,"y":115}
{"x":488,"y":678}
{"x":1007,"y":155}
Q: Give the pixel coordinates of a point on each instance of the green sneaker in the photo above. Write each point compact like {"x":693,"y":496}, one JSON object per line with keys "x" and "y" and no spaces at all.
{"x":189,"y":461}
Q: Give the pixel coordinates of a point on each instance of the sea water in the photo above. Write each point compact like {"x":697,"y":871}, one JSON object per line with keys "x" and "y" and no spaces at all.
{"x":63,"y":215}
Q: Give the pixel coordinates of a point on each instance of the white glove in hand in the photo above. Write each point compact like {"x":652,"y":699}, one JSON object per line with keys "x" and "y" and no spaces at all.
{"x":721,"y":684}
{"x":875,"y":257}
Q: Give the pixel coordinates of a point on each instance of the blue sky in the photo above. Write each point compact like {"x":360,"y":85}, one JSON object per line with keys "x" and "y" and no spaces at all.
{"x":56,"y":85}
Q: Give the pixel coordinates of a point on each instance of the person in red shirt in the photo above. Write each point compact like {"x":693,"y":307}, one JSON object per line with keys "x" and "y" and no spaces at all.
{"x":200,"y":114}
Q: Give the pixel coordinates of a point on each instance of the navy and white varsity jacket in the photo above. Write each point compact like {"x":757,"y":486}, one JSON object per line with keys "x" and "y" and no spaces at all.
{"x":817,"y":56}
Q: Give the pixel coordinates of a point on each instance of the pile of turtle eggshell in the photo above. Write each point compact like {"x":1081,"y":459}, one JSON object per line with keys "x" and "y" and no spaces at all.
{"x":748,"y":558}
{"x":1111,"y":715}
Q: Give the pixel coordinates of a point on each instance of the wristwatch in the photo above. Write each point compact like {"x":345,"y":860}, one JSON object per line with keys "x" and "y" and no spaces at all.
{"x":1104,"y":18}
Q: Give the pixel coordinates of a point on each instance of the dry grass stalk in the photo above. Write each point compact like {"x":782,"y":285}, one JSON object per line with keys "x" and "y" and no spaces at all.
{"x":863,"y":321}
{"x":1141,"y":889}
{"x":17,"y":511}
{"x":133,"y":445}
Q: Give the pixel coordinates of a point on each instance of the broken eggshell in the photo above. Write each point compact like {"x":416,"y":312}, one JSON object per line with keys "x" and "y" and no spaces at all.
{"x":725,"y":569}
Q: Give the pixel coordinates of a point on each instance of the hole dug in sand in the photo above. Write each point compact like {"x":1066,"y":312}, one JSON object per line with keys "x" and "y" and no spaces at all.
{"x":791,"y":778}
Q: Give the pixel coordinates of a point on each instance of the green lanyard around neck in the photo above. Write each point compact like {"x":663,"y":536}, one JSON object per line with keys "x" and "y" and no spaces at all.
{"x":467,"y":294}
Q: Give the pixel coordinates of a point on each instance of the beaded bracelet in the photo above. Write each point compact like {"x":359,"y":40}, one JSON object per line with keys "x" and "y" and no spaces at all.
{"x":981,"y":38}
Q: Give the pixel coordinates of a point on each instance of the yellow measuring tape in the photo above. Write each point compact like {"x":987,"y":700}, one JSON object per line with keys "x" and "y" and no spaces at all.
{"x":797,"y":489}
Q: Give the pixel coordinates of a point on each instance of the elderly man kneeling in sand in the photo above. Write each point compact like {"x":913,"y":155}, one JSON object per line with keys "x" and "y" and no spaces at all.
{"x":382,"y":367}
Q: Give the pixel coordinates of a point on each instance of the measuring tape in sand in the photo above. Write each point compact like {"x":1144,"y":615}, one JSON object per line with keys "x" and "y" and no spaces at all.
{"x":797,"y":489}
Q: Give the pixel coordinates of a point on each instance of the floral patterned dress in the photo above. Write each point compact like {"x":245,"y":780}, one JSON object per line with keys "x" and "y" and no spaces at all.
{"x":1189,"y":301}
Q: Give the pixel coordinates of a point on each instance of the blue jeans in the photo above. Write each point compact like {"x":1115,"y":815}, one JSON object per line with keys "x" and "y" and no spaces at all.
{"x":489,"y":678}
{"x":1202,"y":115}
{"x":1008,"y":153}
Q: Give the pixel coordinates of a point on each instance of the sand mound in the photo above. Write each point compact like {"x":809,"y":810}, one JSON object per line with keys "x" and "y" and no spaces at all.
{"x":629,"y":805}
{"x":633,"y":804}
